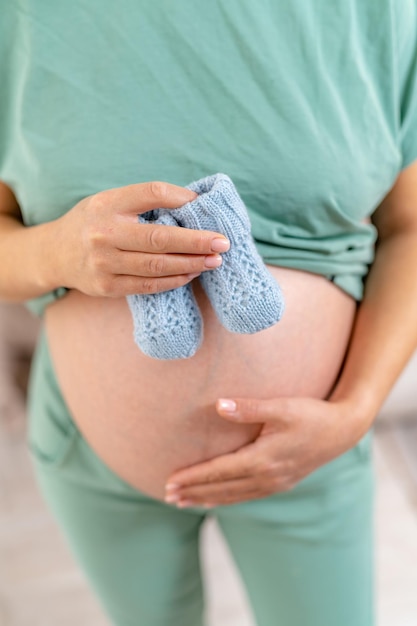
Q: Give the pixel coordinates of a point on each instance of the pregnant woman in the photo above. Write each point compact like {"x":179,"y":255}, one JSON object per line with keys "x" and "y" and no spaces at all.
{"x":108,"y":111}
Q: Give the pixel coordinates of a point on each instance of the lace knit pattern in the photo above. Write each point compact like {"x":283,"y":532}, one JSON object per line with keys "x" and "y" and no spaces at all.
{"x":244,"y":295}
{"x":168,"y":324}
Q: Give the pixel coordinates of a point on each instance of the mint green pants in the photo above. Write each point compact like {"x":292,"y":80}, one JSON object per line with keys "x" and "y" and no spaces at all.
{"x":305,"y":556}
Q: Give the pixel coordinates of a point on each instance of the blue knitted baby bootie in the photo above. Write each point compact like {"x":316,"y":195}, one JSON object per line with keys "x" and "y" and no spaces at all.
{"x":167,"y":324}
{"x":244,"y":295}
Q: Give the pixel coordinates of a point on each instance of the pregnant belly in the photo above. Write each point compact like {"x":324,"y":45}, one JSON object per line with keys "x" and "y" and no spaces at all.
{"x":146,"y":418}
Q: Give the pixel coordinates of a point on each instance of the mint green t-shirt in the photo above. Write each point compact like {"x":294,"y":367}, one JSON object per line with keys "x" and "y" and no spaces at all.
{"x":310,"y":107}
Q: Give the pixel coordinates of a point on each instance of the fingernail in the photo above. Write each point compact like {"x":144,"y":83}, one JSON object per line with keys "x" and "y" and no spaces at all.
{"x":184,"y":503}
{"x":213,"y":261}
{"x":220,"y":245}
{"x":191,"y":276}
{"x":227,"y":405}
{"x":172,"y":497}
{"x":171,"y":486}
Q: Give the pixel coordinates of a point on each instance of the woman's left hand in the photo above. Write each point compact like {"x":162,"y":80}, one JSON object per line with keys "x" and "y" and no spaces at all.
{"x":297,"y":437}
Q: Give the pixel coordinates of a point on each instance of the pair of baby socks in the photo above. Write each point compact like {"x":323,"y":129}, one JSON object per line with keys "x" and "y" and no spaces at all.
{"x":244,"y":295}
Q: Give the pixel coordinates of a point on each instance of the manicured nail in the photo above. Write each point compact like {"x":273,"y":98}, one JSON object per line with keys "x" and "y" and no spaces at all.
{"x":213,"y":261}
{"x":171,"y":486}
{"x":227,"y":405}
{"x":172,"y":497}
{"x":220,"y":245}
{"x":184,"y":503}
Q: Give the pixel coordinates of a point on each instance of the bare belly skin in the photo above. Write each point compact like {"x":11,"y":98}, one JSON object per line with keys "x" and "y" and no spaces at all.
{"x":146,"y":418}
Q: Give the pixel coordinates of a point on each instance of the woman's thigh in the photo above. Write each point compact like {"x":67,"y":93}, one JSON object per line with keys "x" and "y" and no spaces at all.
{"x":140,"y":556}
{"x":306,"y":556}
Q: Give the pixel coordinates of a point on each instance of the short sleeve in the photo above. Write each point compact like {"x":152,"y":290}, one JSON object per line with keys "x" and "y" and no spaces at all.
{"x":3,"y":91}
{"x":38,"y":305}
{"x":408,"y":85}
{"x":7,"y":30}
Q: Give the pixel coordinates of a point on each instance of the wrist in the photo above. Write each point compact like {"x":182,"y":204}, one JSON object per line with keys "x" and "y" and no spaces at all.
{"x":359,"y":411}
{"x":51,"y":275}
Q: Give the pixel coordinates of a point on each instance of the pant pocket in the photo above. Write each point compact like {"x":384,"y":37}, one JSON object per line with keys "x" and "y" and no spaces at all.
{"x":51,"y":429}
{"x":51,"y":447}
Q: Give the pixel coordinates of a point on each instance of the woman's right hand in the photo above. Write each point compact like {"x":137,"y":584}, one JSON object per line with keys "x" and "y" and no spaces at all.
{"x":102,"y":249}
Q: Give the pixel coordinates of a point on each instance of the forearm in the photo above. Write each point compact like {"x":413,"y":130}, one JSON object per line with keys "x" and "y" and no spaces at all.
{"x":385,"y":332}
{"x":26,"y":259}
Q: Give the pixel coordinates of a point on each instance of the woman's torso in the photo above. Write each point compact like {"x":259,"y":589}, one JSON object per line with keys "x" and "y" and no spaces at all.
{"x":147,"y":418}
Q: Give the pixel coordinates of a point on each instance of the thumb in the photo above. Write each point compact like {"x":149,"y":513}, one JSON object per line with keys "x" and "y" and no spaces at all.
{"x":249,"y":410}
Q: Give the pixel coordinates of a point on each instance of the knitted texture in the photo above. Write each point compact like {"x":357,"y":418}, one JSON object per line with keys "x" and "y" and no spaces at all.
{"x":168,"y":324}
{"x":244,"y":295}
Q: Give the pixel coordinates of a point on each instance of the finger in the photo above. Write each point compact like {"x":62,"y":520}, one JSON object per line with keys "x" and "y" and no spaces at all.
{"x":142,"y":197}
{"x":120,"y":286}
{"x":145,"y":264}
{"x":215,"y":492}
{"x":251,"y":410}
{"x":226,"y":467}
{"x":159,"y":238}
{"x":233,"y":490}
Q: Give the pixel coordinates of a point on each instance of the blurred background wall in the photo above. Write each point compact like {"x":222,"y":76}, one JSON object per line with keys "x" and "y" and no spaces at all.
{"x":41,"y":586}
